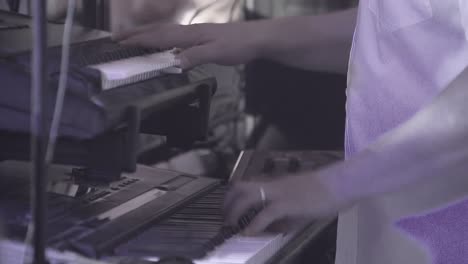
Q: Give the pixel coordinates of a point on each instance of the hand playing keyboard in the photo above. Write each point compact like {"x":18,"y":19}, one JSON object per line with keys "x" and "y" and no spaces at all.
{"x":296,"y":198}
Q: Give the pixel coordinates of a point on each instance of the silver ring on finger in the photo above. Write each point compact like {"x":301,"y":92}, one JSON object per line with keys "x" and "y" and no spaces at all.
{"x":263,"y":196}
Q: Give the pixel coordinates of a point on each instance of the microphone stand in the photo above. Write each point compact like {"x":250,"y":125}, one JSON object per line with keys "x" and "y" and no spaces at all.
{"x":38,"y":128}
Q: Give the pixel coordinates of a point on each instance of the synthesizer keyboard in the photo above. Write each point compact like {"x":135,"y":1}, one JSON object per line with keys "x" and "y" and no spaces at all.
{"x":105,"y":79}
{"x":156,"y":213}
{"x":196,"y":230}
{"x":92,"y":219}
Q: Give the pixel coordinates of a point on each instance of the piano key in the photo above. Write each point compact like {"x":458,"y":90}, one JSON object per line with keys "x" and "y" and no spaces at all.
{"x":204,"y":206}
{"x":206,"y":236}
{"x":168,"y":239}
{"x":201,"y":233}
{"x":120,"y":72}
{"x":199,"y":223}
{"x":187,"y":223}
{"x":224,"y":244}
{"x":105,"y":50}
{"x":145,"y":252}
{"x":211,"y":218}
{"x":104,"y":238}
{"x":241,"y":250}
{"x":245,"y":250}
{"x":203,"y":211}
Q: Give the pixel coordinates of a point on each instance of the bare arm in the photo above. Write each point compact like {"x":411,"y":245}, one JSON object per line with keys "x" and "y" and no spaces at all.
{"x":434,"y":143}
{"x":319,"y":42}
{"x":310,"y":42}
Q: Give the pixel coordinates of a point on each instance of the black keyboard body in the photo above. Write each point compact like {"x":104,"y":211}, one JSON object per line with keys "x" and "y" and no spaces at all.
{"x":73,"y":215}
{"x":99,"y":109}
{"x":95,"y":122}
{"x":186,"y":221}
{"x":197,"y":227}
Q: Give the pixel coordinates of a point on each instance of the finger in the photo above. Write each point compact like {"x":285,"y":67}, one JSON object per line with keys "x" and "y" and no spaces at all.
{"x":240,"y":208}
{"x":198,"y":55}
{"x":163,"y":40}
{"x":139,"y":40}
{"x":119,"y":36}
{"x":233,"y":194}
{"x":147,"y":41}
{"x":264,"y":219}
{"x":168,"y":36}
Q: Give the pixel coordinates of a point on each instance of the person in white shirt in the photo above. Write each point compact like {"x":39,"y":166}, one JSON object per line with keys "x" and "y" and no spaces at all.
{"x":402,"y":193}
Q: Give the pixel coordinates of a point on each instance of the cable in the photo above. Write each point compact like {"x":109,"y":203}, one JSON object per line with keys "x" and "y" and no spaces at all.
{"x":59,"y":101}
{"x":38,"y":138}
{"x":63,"y":78}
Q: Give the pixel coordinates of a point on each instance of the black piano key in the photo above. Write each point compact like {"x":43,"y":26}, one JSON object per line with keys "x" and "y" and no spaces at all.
{"x":204,"y":206}
{"x":186,"y":223}
{"x":161,"y":251}
{"x":169,"y":246}
{"x":193,"y":232}
{"x":162,"y":254}
{"x":211,"y":218}
{"x":209,"y":202}
{"x":104,"y":50}
{"x":173,"y":237}
{"x":171,"y":242}
{"x":202,"y":211}
{"x":214,"y":195}
{"x":187,"y":234}
{"x":190,"y":227}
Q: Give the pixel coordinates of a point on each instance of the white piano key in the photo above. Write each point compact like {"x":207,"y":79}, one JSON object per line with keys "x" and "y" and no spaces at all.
{"x":136,"y":69}
{"x":246,"y":250}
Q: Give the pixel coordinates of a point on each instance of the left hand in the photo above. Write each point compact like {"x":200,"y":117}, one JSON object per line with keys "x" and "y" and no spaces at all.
{"x":292,"y":199}
{"x":225,"y":44}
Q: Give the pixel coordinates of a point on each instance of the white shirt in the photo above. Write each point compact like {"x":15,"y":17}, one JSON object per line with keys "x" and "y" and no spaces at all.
{"x":404,"y":53}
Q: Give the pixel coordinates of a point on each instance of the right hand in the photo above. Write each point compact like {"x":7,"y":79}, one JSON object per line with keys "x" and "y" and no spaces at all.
{"x":225,"y":44}
{"x":293,"y":200}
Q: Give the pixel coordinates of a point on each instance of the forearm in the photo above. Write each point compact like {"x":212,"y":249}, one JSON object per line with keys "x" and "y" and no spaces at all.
{"x":320,"y":42}
{"x":434,"y":143}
